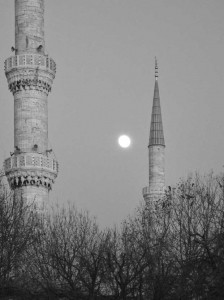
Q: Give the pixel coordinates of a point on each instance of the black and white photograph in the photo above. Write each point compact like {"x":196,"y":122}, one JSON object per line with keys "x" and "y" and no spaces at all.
{"x":112,"y":150}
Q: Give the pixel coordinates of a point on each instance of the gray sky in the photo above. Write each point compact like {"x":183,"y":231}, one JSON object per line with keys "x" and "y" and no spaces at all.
{"x":104,"y":50}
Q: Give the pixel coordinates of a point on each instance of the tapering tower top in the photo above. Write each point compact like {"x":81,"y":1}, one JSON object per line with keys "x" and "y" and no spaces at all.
{"x":156,"y":130}
{"x":156,"y":69}
{"x":154,"y":192}
{"x":29,"y":26}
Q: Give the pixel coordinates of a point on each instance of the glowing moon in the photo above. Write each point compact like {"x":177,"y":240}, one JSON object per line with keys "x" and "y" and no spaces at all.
{"x":124,"y":141}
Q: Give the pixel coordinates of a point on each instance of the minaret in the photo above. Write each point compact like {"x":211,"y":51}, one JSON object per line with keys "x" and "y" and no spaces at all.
{"x":31,"y":169}
{"x":156,"y":188}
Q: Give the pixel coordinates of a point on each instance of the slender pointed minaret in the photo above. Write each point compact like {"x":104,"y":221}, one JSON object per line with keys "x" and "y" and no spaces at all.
{"x":31,"y":169}
{"x":156,"y":188}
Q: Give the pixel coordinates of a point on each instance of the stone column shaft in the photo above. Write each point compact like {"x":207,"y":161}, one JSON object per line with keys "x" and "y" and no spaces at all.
{"x":30,"y":121}
{"x":31,"y":169}
{"x":29,"y":26}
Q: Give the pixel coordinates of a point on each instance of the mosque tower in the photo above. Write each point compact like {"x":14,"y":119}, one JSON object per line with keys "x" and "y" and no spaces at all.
{"x":156,"y":188}
{"x":31,"y":169}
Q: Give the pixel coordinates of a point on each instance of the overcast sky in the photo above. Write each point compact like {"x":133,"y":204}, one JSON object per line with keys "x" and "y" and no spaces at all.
{"x":104,"y":50}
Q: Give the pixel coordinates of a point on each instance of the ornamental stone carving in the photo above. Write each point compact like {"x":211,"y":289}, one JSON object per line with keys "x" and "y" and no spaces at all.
{"x":31,"y":169}
{"x":19,"y":178}
{"x":30,"y":60}
{"x":25,"y":84}
{"x":29,"y":161}
{"x":30,"y":71}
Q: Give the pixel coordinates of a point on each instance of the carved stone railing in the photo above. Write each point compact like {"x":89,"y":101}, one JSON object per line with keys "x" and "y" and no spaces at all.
{"x":31,"y":169}
{"x":147,"y":191}
{"x":31,"y":160}
{"x":30,"y":72}
{"x":30,"y":60}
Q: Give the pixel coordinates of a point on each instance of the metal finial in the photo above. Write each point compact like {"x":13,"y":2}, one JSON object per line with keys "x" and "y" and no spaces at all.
{"x":156,"y":68}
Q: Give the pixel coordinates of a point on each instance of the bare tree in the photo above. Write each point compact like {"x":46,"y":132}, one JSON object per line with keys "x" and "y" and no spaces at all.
{"x":16,"y":235}
{"x":172,"y":249}
{"x":197,"y":229}
{"x":125,"y":262}
{"x":152,"y":222}
{"x":91,"y":259}
{"x":68,"y":258}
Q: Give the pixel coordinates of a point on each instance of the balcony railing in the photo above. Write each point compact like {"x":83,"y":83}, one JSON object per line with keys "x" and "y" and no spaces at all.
{"x":30,"y":60}
{"x":25,"y":161}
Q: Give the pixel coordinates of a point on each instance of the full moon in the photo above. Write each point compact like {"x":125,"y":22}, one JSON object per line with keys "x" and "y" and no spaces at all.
{"x":124,"y":141}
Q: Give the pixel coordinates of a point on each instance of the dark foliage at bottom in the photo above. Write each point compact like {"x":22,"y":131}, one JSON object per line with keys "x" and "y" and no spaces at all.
{"x":170,"y":249}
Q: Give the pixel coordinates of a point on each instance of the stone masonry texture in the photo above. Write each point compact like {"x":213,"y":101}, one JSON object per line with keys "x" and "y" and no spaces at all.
{"x":31,"y":169}
{"x":29,"y":25}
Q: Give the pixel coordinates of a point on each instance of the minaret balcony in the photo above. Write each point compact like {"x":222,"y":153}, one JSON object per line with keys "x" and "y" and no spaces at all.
{"x":147,"y":191}
{"x":30,"y":60}
{"x":30,"y":169}
{"x":31,"y":161}
{"x":30,"y":71}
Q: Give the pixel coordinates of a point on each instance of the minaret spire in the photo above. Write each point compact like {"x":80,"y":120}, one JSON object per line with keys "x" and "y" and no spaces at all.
{"x":156,"y":148}
{"x":156,"y":69}
{"x":156,"y":130}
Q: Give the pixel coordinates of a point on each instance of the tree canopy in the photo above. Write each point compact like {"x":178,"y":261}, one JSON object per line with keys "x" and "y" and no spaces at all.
{"x":168,"y":249}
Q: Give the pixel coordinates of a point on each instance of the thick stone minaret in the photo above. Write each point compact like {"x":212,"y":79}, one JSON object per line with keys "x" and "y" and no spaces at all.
{"x":31,"y":169}
{"x":156,"y":188}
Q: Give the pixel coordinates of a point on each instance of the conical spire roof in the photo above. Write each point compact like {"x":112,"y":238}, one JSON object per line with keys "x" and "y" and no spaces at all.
{"x":156,"y":130}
